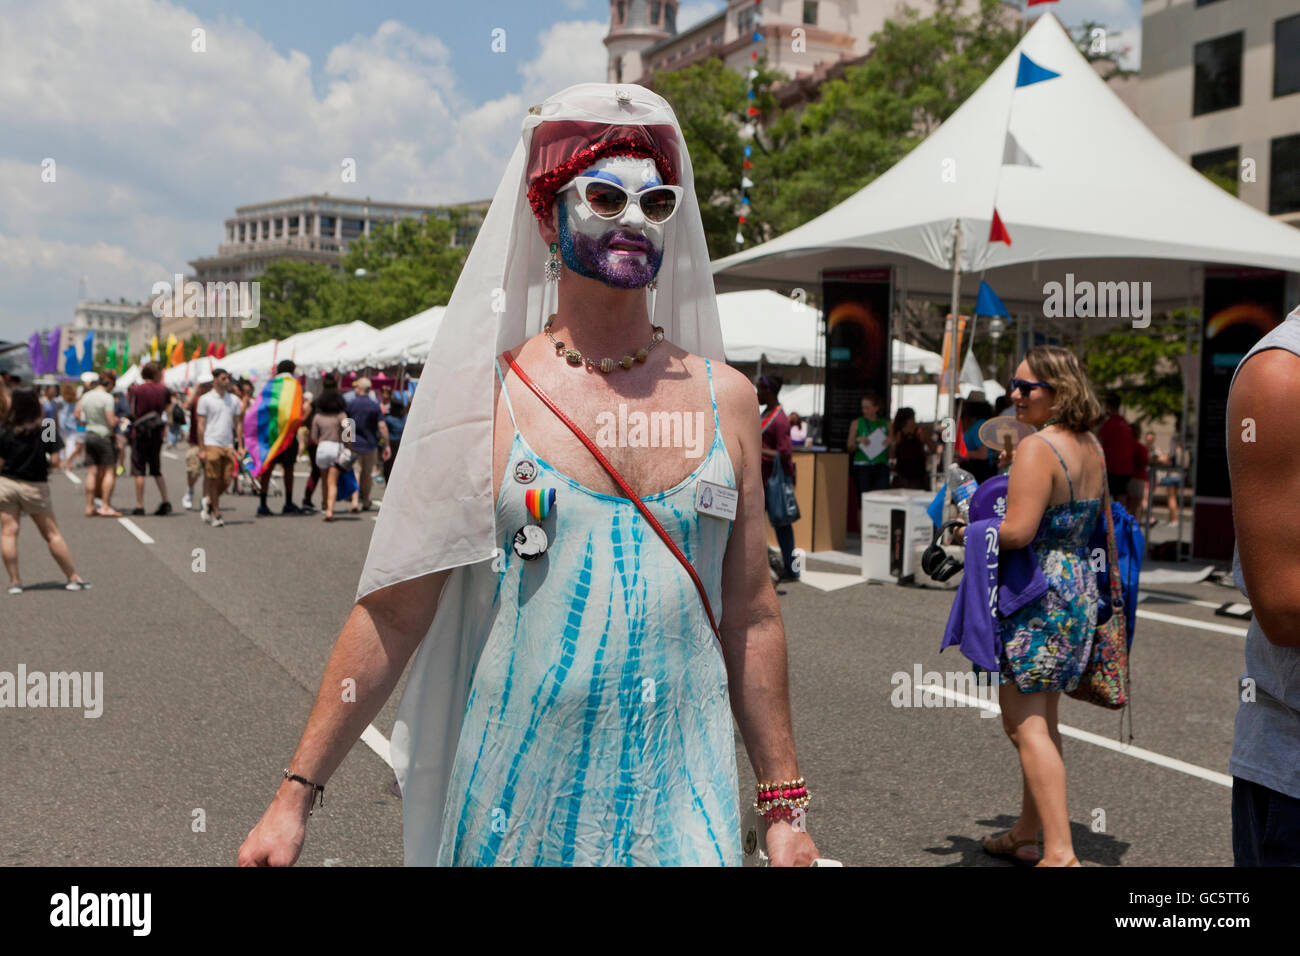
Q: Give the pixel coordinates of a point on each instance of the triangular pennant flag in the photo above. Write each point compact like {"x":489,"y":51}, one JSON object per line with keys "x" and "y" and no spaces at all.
{"x":221,"y":350}
{"x":110,"y":357}
{"x":740,"y":239}
{"x":997,"y":231}
{"x":970,"y":371}
{"x":1034,"y":3}
{"x":746,"y":182}
{"x":212,"y":348}
{"x":1031,"y":73}
{"x":1014,"y":155}
{"x":988,"y":302}
{"x":71,"y":367}
{"x":198,"y":350}
{"x":124,"y":361}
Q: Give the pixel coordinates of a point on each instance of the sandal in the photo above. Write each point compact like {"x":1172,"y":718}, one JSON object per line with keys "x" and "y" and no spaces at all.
{"x":1001,"y":845}
{"x":1074,"y":861}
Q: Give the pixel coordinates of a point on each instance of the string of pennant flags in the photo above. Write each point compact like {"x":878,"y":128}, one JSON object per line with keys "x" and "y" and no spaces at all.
{"x":1028,"y":73}
{"x":747,"y":130}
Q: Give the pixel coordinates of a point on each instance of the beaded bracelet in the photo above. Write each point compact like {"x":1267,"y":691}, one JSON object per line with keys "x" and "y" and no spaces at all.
{"x":781,"y":801}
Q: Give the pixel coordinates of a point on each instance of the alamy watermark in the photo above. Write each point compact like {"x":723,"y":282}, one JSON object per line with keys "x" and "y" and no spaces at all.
{"x":949,"y":689}
{"x":74,"y":689}
{"x":208,"y":300}
{"x":651,"y":430}
{"x":1098,"y":300}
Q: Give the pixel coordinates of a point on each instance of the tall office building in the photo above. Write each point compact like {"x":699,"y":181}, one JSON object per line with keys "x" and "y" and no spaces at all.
{"x":1221,"y":87}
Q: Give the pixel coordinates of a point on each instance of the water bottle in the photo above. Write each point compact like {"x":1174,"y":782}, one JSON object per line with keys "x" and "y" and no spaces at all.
{"x":962,"y":484}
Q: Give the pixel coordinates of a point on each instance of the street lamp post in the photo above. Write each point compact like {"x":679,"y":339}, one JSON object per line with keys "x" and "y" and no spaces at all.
{"x":997,"y":325}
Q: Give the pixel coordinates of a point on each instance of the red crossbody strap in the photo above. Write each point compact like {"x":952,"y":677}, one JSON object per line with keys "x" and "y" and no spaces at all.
{"x":626,"y":488}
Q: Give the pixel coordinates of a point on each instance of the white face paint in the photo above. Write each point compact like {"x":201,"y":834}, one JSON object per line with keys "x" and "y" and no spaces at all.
{"x":636,"y":174}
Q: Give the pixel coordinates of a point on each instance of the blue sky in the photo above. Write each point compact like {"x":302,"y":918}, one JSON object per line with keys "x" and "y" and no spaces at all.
{"x":154,"y":143}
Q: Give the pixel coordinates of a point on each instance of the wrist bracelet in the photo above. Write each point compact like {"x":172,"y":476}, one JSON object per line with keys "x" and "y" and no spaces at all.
{"x":317,"y":788}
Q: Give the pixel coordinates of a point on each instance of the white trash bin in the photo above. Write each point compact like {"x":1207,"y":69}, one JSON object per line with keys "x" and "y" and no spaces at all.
{"x":895,"y":530}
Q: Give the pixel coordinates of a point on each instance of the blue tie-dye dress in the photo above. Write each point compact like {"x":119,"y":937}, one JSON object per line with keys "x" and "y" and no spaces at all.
{"x":598,"y":727}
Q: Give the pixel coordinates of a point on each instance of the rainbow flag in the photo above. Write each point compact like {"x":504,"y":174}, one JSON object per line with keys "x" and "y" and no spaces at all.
{"x":272,"y":421}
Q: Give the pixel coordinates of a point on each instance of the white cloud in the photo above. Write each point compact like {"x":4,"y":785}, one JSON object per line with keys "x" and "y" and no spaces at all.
{"x":569,"y":53}
{"x":156,"y":144}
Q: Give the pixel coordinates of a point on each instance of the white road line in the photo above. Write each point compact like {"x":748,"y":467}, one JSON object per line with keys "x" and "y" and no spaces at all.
{"x":1165,"y":596}
{"x":73,"y":478}
{"x":1188,"y":622}
{"x":1139,"y":753}
{"x":172,"y":455}
{"x":131,"y":526}
{"x":378,"y":743}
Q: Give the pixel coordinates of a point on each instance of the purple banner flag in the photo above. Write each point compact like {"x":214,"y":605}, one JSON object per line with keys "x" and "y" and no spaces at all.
{"x":53,"y":341}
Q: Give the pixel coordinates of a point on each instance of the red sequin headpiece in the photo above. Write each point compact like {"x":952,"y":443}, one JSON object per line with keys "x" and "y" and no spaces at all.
{"x":560,"y":150}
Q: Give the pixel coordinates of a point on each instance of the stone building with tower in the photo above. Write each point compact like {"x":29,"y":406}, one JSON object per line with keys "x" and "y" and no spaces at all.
{"x":807,"y":40}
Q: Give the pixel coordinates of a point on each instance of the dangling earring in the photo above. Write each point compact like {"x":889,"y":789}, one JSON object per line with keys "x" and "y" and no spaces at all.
{"x":651,"y":293}
{"x":551,"y":289}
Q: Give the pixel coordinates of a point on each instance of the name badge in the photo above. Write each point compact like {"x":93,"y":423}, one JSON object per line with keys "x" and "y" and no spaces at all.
{"x":717,"y":500}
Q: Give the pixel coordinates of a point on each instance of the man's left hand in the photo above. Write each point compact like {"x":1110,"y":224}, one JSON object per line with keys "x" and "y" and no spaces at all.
{"x":787,"y":846}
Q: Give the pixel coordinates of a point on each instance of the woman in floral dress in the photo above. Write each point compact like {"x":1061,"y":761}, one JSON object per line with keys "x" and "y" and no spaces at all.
{"x":1053,"y":505}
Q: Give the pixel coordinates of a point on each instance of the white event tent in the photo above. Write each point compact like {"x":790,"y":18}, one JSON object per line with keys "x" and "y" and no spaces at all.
{"x":403,"y":343}
{"x":1080,"y":183}
{"x":324,"y":353}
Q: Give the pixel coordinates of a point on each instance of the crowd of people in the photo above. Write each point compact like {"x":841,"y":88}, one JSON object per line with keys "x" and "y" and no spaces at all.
{"x":70,"y":426}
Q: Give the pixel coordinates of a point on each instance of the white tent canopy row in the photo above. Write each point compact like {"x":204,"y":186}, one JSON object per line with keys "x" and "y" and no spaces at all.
{"x":758,"y":325}
{"x":1082,"y":186}
{"x":310,"y":349}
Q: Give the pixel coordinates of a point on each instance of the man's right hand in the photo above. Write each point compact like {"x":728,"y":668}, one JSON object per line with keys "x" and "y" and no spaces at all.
{"x":278,"y":837}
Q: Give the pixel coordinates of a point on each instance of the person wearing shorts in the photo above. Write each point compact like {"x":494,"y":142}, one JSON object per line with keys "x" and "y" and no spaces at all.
{"x":193,"y":460}
{"x":217,"y":416}
{"x":147,"y":402}
{"x":25,"y":488}
{"x":95,"y":410}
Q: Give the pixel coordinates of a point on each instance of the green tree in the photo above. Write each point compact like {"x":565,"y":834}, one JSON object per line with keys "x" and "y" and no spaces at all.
{"x":408,"y":267}
{"x":712,"y":105}
{"x":295,"y":296}
{"x":1142,"y":365}
{"x":920,"y":72}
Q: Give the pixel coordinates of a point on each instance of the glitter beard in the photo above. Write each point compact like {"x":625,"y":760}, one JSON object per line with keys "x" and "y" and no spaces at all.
{"x":589,"y":256}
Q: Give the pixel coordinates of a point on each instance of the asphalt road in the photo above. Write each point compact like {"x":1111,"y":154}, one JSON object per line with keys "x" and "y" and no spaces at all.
{"x":209,"y":675}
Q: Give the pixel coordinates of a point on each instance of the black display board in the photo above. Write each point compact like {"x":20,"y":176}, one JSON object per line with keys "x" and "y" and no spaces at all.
{"x":857,"y":308}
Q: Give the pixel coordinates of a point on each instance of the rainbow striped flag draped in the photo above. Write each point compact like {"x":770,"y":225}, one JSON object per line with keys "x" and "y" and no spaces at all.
{"x":271,"y":423}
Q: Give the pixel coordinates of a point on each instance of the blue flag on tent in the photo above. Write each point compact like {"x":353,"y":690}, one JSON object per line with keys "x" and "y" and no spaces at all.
{"x":1031,"y":73}
{"x":88,"y":353}
{"x":988,"y":302}
{"x":71,"y":367}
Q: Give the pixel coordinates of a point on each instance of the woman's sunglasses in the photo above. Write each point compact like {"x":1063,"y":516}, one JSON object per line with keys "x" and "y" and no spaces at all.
{"x":1024,"y":386}
{"x":607,"y":200}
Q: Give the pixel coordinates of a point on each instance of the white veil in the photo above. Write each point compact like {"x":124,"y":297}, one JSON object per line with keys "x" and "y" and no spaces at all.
{"x":439,"y":508}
